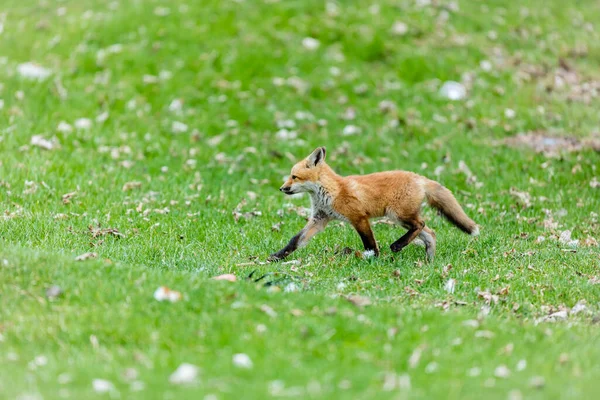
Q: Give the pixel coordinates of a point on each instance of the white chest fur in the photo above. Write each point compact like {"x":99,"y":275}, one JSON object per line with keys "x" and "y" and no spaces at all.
{"x":322,"y":204}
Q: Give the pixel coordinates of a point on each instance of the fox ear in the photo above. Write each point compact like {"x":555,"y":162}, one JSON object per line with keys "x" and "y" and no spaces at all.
{"x":316,"y":157}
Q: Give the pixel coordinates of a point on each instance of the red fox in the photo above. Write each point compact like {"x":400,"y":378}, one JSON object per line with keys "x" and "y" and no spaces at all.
{"x":399,"y":195}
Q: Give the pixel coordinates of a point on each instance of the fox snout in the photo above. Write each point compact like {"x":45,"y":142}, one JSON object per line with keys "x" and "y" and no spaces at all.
{"x":286,"y":189}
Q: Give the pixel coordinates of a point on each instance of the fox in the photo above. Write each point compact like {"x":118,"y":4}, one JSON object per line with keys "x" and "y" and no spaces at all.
{"x":398,"y":195}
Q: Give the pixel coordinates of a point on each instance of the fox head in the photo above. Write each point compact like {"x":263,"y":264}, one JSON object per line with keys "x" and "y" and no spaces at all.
{"x":305,"y":174}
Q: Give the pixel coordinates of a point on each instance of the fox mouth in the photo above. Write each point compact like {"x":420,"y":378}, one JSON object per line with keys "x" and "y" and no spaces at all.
{"x":287,"y":191}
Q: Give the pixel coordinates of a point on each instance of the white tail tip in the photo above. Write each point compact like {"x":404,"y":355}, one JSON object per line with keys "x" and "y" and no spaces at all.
{"x":475,"y":231}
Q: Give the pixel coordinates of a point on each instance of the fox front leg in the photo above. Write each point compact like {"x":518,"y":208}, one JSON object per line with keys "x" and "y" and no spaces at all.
{"x":314,"y":226}
{"x":363,"y":227}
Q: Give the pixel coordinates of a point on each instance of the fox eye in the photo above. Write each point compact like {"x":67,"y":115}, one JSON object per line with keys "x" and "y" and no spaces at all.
{"x":294,"y":177}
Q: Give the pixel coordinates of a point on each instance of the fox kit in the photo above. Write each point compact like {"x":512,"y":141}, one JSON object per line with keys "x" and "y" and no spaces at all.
{"x":398,"y":195}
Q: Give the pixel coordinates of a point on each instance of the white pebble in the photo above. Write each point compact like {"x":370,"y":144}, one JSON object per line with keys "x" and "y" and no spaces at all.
{"x":102,"y":386}
{"x":178,"y":127}
{"x":521,"y":365}
{"x":185,"y":373}
{"x":502,"y":371}
{"x":351,"y":130}
{"x":485,"y":65}
{"x":83,"y":123}
{"x":33,"y":71}
{"x":242,"y":360}
{"x":510,"y":113}
{"x":310,"y":43}
{"x":399,"y":28}
{"x":453,"y":90}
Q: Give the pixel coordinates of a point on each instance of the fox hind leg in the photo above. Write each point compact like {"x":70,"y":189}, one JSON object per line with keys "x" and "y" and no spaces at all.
{"x":428,"y":237}
{"x":414,"y":227}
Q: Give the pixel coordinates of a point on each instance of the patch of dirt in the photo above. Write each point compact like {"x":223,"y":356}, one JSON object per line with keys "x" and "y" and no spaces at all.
{"x":562,"y":79}
{"x":551,"y":145}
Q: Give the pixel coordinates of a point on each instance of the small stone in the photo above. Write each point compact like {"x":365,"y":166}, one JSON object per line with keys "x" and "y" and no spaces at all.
{"x":242,"y":360}
{"x":53,"y":292}
{"x":350,"y":130}
{"x":102,"y":386}
{"x":510,"y":113}
{"x":178,"y":127}
{"x":485,"y":65}
{"x":83,"y":123}
{"x":310,"y":43}
{"x":502,"y":371}
{"x":185,"y":373}
{"x":34,"y":71}
{"x":453,"y":90}
{"x":537,"y":382}
{"x":399,"y":28}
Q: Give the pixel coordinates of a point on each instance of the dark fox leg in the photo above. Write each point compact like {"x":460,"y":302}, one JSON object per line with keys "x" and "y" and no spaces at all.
{"x":415,"y":227}
{"x":363,"y":227}
{"x":428,"y":237}
{"x":314,"y":226}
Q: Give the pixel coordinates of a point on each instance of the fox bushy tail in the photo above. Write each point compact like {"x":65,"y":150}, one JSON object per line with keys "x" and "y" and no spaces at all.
{"x":443,"y":199}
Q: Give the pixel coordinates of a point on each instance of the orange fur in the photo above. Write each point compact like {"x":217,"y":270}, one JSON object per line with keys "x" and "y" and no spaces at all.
{"x":398,"y":195}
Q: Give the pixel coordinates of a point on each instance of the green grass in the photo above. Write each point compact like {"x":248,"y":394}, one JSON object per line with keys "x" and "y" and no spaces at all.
{"x":239,"y":68}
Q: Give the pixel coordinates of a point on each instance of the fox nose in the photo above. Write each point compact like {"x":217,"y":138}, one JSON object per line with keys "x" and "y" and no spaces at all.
{"x":284,"y":189}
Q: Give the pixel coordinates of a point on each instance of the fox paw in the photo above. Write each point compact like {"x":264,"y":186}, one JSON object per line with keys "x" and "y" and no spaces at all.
{"x":275,"y":257}
{"x":395,"y":249}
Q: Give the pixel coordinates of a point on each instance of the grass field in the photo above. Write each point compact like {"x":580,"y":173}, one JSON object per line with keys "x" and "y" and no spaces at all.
{"x":157,"y":133}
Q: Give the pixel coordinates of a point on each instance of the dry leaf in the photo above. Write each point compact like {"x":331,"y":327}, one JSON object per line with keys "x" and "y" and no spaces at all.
{"x":96,"y":232}
{"x":590,"y":242}
{"x":557,"y":316}
{"x":41,"y":142}
{"x":66,"y":198}
{"x":225,"y":277}
{"x":359,"y":301}
{"x":164,"y":293}
{"x":523,"y":197}
{"x":484,"y":334}
{"x":268,"y":310}
{"x":488,"y":297}
{"x":504,"y":291}
{"x":415,"y":357}
{"x":565,"y":238}
{"x":86,"y":256}
{"x":450,"y":284}
{"x":131,"y":185}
